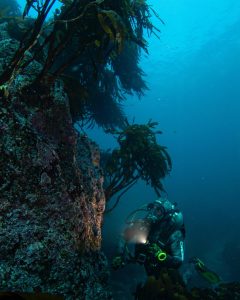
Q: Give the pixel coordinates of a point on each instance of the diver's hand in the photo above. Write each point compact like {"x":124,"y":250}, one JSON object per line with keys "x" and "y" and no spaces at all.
{"x":157,"y":252}
{"x":118,"y":262}
{"x":153,"y":248}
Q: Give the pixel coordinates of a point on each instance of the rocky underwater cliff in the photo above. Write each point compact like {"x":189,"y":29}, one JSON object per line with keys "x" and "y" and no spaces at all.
{"x":77,"y":65}
{"x":51,"y":195}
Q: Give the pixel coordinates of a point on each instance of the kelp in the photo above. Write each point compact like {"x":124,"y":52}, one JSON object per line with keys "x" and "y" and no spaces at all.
{"x":170,"y":286}
{"x":129,"y":73}
{"x":139,"y":156}
{"x":31,"y":37}
{"x":88,"y":40}
{"x":116,"y":29}
{"x":103,"y":104}
{"x":100,"y":99}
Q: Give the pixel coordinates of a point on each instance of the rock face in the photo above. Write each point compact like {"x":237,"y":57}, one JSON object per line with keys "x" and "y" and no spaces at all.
{"x":51,"y":196}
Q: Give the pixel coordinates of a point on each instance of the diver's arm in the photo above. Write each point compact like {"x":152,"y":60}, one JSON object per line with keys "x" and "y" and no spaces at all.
{"x":176,"y":257}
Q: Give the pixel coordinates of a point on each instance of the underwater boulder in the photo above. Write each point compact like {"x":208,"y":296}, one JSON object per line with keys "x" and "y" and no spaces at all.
{"x":51,"y":195}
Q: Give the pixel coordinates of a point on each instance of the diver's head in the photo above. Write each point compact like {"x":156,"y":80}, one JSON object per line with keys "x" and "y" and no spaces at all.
{"x":159,"y":209}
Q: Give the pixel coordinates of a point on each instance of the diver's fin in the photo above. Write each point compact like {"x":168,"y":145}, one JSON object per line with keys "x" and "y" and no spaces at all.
{"x":204,"y":272}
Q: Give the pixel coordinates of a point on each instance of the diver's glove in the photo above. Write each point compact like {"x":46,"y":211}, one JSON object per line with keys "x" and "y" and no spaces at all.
{"x":157,"y":252}
{"x":118,"y":262}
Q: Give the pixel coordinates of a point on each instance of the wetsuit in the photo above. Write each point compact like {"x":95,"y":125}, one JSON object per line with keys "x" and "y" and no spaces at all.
{"x":166,"y":231}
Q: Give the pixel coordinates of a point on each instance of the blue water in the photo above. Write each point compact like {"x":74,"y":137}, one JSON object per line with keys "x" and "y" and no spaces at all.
{"x":32,"y":13}
{"x":193,"y":77}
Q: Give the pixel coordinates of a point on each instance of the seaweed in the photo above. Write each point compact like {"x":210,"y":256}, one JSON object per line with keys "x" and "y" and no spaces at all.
{"x":170,"y":286}
{"x":139,"y":156}
{"x":91,"y":41}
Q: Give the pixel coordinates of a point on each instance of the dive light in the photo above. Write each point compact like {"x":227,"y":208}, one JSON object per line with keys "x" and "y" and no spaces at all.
{"x":161,"y":255}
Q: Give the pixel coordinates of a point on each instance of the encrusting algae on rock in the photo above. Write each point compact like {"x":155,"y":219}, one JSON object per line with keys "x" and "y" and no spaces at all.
{"x":51,"y":200}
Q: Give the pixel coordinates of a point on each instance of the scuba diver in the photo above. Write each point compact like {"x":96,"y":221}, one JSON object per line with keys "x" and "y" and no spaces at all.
{"x":157,"y":238}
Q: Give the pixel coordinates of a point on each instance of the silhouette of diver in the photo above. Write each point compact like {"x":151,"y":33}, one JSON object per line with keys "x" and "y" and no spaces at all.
{"x":157,"y":238}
